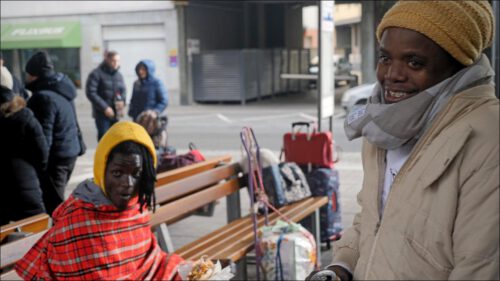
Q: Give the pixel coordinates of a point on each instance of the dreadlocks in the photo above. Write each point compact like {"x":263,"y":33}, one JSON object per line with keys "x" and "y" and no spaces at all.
{"x":148,"y":177}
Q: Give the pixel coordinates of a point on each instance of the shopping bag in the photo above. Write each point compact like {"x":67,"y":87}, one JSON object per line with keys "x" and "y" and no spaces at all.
{"x":284,"y":183}
{"x":288,"y":251}
{"x":315,"y":148}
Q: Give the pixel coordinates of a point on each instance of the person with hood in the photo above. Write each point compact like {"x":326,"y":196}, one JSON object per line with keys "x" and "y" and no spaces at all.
{"x":24,"y":155}
{"x":105,"y":89}
{"x":53,"y":106}
{"x":149,"y":100}
{"x":430,"y":195}
{"x":102,"y":231}
{"x":149,"y":93}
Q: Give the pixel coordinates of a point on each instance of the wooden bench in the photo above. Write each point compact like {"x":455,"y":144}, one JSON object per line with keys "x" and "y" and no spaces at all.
{"x":31,"y":224}
{"x":37,"y":225}
{"x":181,"y":198}
{"x":231,"y":242}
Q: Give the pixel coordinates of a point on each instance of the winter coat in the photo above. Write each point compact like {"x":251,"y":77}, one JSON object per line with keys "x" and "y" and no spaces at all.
{"x":24,"y":152}
{"x":148,"y":93}
{"x":103,"y":83}
{"x":441,"y":217}
{"x":52,"y":104}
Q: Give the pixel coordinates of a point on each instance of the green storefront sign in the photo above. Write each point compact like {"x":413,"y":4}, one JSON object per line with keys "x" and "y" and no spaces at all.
{"x":40,"y":35}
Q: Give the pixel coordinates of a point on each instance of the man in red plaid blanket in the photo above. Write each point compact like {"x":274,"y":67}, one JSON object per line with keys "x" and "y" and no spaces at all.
{"x":102,"y":232}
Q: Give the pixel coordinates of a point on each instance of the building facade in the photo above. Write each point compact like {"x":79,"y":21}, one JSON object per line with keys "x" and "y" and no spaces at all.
{"x":77,"y":33}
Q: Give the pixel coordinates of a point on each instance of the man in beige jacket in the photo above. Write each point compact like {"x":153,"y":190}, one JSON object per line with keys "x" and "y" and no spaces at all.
{"x":430,"y":196}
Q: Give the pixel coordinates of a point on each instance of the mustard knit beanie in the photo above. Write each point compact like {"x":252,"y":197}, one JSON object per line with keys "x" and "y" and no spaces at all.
{"x":462,"y":28}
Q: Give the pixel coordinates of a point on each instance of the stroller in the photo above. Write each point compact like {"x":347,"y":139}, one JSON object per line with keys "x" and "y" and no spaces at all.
{"x":156,"y":126}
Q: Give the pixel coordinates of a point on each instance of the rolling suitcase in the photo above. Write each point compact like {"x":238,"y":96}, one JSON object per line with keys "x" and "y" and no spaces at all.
{"x":315,"y":148}
{"x":325,"y":182}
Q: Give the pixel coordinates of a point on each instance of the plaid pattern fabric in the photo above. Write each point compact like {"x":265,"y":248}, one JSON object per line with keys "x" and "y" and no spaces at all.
{"x":98,"y":243}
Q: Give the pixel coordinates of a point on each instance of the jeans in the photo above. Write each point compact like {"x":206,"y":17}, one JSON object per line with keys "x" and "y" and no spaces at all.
{"x":103,"y":124}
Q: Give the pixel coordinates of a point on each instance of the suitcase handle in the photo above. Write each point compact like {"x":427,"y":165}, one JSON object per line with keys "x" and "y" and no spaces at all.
{"x":301,"y":123}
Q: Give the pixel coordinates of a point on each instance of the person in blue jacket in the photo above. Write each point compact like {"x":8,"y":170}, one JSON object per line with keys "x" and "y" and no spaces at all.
{"x":149,"y":93}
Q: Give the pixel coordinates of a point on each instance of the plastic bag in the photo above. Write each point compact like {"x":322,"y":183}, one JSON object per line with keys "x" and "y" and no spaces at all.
{"x":288,"y":251}
{"x":218,"y":272}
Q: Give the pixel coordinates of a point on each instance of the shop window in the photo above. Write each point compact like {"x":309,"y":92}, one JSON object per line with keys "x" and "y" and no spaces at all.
{"x":66,"y":60}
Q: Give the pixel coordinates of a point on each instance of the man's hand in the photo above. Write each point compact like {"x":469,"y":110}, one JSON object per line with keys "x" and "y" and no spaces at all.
{"x":108,"y":112}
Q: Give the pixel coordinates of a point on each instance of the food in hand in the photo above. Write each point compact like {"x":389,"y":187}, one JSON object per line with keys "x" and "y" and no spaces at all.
{"x":202,"y":269}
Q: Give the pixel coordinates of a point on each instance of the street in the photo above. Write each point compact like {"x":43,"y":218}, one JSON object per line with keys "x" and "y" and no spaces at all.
{"x":215,"y":128}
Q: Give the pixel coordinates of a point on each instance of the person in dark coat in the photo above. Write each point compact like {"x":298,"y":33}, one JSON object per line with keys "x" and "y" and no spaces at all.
{"x":149,"y":93}
{"x":24,"y":154}
{"x":105,"y":88}
{"x":52,"y":104}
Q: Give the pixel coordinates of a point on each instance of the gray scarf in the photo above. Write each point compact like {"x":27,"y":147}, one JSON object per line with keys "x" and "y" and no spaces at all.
{"x":391,"y":125}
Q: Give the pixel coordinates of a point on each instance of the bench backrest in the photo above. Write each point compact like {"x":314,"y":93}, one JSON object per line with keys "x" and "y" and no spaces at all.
{"x":31,"y":224}
{"x":184,"y":196}
{"x":183,"y":172}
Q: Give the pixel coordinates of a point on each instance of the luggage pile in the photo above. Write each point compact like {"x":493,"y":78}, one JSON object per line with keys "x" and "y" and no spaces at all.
{"x":313,"y":152}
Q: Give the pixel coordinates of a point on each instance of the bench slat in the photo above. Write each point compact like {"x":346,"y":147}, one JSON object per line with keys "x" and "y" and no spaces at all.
{"x":222,"y":236}
{"x":168,"y":212}
{"x":34,"y":224}
{"x":15,"y":250}
{"x":186,"y":171}
{"x":180,"y":188}
{"x":246,"y":244}
{"x":235,"y":240}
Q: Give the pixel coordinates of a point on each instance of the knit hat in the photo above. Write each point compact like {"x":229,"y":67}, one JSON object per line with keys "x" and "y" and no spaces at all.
{"x":118,"y":133}
{"x":462,"y":28}
{"x":40,"y":65}
{"x":6,"y":78}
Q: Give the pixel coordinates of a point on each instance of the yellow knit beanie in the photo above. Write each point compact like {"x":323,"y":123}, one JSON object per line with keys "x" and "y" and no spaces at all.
{"x":462,"y":28}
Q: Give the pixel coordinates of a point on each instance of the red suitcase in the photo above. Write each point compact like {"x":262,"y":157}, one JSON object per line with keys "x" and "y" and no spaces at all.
{"x":314,"y":148}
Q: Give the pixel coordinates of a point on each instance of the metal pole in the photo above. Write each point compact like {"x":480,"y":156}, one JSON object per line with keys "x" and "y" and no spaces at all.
{"x":495,"y":55}
{"x":318,"y":82}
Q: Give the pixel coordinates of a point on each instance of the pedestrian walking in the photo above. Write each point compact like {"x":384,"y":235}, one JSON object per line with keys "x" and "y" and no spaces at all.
{"x":149,"y":93}
{"x":53,"y":106}
{"x":430,"y":195}
{"x":148,"y":103}
{"x":102,"y":231}
{"x":106,"y":91}
{"x":24,"y":155}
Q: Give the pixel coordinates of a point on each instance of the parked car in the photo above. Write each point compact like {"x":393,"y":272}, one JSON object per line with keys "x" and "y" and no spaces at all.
{"x":356,"y":95}
{"x":341,"y":67}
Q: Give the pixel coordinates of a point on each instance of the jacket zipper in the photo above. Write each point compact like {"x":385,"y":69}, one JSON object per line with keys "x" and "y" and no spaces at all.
{"x":417,"y":147}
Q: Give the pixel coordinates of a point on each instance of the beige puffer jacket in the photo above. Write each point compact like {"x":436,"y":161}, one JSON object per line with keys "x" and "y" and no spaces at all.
{"x":441,"y":219}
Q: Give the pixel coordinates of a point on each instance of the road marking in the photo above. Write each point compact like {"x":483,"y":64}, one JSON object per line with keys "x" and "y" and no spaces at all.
{"x":268,"y":117}
{"x":191,"y":117}
{"x":224,"y":118}
{"x":307,"y":116}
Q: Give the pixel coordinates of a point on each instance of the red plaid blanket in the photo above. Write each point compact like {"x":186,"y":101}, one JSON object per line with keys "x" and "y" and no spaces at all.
{"x":98,"y":243}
